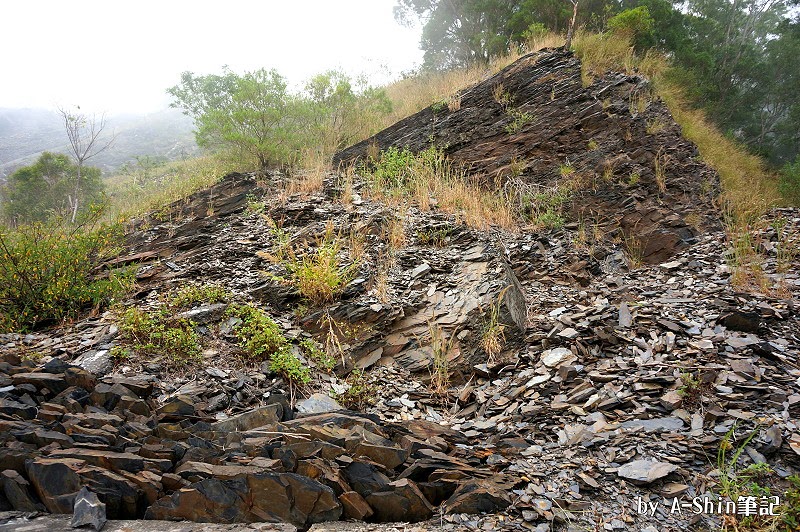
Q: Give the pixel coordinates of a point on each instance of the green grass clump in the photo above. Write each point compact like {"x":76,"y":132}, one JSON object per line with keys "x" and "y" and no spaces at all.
{"x":518,"y":120}
{"x":156,"y":333}
{"x":318,"y":274}
{"x":47,"y":273}
{"x":190,"y":295}
{"x":258,"y":334}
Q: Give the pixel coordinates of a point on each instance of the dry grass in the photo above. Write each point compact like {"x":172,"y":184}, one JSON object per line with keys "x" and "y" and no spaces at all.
{"x":429,"y":181}
{"x":171,"y":182}
{"x":748,"y":188}
{"x":396,"y":233}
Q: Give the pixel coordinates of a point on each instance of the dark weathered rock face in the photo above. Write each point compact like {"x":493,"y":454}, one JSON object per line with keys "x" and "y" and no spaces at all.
{"x":534,"y":124}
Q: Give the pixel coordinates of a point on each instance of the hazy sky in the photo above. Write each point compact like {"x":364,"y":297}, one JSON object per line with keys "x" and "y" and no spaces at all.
{"x":115,"y":55}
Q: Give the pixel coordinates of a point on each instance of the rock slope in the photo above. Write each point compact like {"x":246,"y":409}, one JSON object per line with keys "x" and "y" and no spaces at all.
{"x":535,"y":125}
{"x":609,"y":385}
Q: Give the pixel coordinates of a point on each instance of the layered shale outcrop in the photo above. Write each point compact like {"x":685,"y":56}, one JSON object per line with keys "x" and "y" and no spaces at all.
{"x":535,"y":125}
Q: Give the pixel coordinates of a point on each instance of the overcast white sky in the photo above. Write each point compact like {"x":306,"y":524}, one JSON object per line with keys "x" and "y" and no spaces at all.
{"x":118,"y":56}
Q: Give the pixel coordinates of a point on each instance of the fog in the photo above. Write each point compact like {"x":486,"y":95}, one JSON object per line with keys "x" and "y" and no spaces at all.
{"x":121,"y":56}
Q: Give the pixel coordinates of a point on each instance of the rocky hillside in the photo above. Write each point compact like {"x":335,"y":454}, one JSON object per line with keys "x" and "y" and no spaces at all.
{"x":458,"y":378}
{"x":535,"y":125}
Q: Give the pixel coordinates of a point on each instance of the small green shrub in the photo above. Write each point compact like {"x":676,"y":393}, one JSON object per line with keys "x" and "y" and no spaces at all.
{"x":47,"y":273}
{"x":393,"y":168}
{"x":518,"y":120}
{"x":258,"y":334}
{"x":156,"y":333}
{"x":790,"y":507}
{"x":434,"y":237}
{"x":290,"y":367}
{"x":190,"y":295}
{"x":321,"y":359}
{"x":318,"y":275}
{"x":360,"y":392}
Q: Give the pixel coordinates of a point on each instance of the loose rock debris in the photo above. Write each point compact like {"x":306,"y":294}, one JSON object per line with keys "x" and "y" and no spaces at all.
{"x":613,"y":386}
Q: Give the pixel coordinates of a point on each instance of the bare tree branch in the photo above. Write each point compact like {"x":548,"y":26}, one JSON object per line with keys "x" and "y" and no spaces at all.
{"x":83,"y":132}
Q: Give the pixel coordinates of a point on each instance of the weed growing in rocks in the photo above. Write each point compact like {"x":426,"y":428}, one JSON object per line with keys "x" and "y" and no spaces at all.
{"x":429,"y":180}
{"x":756,"y":480}
{"x":440,"y":366}
{"x":254,"y":205}
{"x":318,"y":275}
{"x":321,"y":359}
{"x":634,"y":250}
{"x":660,"y":170}
{"x":190,"y":295}
{"x":290,"y":367}
{"x":493,"y":337}
{"x":158,"y":334}
{"x":518,"y":120}
{"x":434,"y":237}
{"x":258,"y":334}
{"x":360,"y":392}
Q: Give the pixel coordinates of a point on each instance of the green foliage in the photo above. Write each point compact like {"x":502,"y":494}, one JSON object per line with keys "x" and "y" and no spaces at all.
{"x":47,"y":273}
{"x":318,"y":275}
{"x":544,"y":206}
{"x":190,"y":295}
{"x":635,"y":24}
{"x":256,"y":115}
{"x":360,"y":392}
{"x":41,"y":191}
{"x":155,"y":333}
{"x":343,"y":110}
{"x":258,"y":334}
{"x":790,"y":506}
{"x":789,"y":184}
{"x":394,"y":168}
{"x":518,"y":120}
{"x":434,"y":237}
{"x":321,"y":359}
{"x":290,"y":367}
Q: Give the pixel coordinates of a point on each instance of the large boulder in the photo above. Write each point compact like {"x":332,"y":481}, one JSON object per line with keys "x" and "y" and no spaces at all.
{"x":269,"y":497}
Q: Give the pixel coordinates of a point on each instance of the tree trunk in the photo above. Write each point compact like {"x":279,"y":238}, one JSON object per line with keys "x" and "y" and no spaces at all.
{"x":571,"y":30}
{"x":77,"y":191}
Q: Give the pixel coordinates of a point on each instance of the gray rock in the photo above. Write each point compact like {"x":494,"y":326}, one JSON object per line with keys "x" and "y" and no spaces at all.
{"x":88,"y":511}
{"x":642,"y":472}
{"x":625,"y":317}
{"x":98,"y":362}
{"x":318,"y":403}
{"x":555,"y":357}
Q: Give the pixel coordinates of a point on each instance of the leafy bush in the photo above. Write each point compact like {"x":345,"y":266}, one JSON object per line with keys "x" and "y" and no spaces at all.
{"x":155,"y":333}
{"x":321,"y":359}
{"x":256,"y":115}
{"x":258,"y":334}
{"x":47,"y":273}
{"x":290,"y":367}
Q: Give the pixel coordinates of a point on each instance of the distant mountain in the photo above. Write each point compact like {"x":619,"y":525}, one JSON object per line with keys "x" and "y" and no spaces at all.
{"x":26,"y":133}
